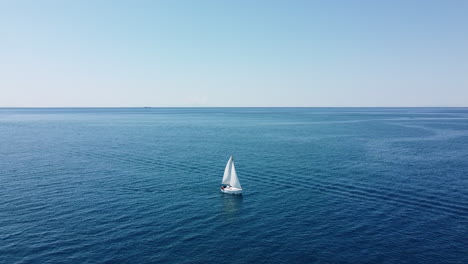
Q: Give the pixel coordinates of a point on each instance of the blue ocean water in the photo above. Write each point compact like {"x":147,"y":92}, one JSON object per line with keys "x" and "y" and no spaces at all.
{"x":322,"y":185}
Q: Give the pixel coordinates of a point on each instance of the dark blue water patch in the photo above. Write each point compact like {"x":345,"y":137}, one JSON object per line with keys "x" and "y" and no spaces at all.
{"x":322,"y":185}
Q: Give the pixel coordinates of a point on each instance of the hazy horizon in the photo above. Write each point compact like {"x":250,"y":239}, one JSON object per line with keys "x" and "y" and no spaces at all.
{"x":234,"y":54}
{"x":132,"y":107}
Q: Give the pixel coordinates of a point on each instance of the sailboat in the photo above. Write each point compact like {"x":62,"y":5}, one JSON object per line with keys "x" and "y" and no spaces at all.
{"x":230,"y":183}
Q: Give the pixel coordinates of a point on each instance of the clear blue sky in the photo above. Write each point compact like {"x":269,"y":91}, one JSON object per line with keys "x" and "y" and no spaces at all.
{"x":233,"y":53}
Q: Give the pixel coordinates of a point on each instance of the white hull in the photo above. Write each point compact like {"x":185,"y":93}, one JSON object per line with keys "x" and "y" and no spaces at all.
{"x":231,"y":190}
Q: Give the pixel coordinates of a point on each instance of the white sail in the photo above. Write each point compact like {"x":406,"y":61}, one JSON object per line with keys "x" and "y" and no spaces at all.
{"x":227,"y":173}
{"x":234,"y":181}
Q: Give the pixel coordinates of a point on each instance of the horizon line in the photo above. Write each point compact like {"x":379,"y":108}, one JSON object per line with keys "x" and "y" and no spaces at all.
{"x":147,"y":107}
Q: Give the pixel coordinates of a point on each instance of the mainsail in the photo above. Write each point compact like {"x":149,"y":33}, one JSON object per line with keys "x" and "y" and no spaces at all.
{"x":227,"y":173}
{"x":230,"y":175}
{"x":234,"y":180}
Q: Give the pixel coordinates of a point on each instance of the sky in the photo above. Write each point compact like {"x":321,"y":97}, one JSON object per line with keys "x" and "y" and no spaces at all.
{"x":226,"y":53}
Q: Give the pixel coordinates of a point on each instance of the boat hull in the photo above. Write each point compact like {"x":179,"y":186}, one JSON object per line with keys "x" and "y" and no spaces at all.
{"x":231,"y":190}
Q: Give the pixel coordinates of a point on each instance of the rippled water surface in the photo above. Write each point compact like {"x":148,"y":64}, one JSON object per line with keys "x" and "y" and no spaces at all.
{"x":322,"y":185}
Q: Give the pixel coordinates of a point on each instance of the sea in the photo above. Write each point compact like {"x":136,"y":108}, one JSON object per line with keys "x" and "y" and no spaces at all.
{"x":321,"y":185}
